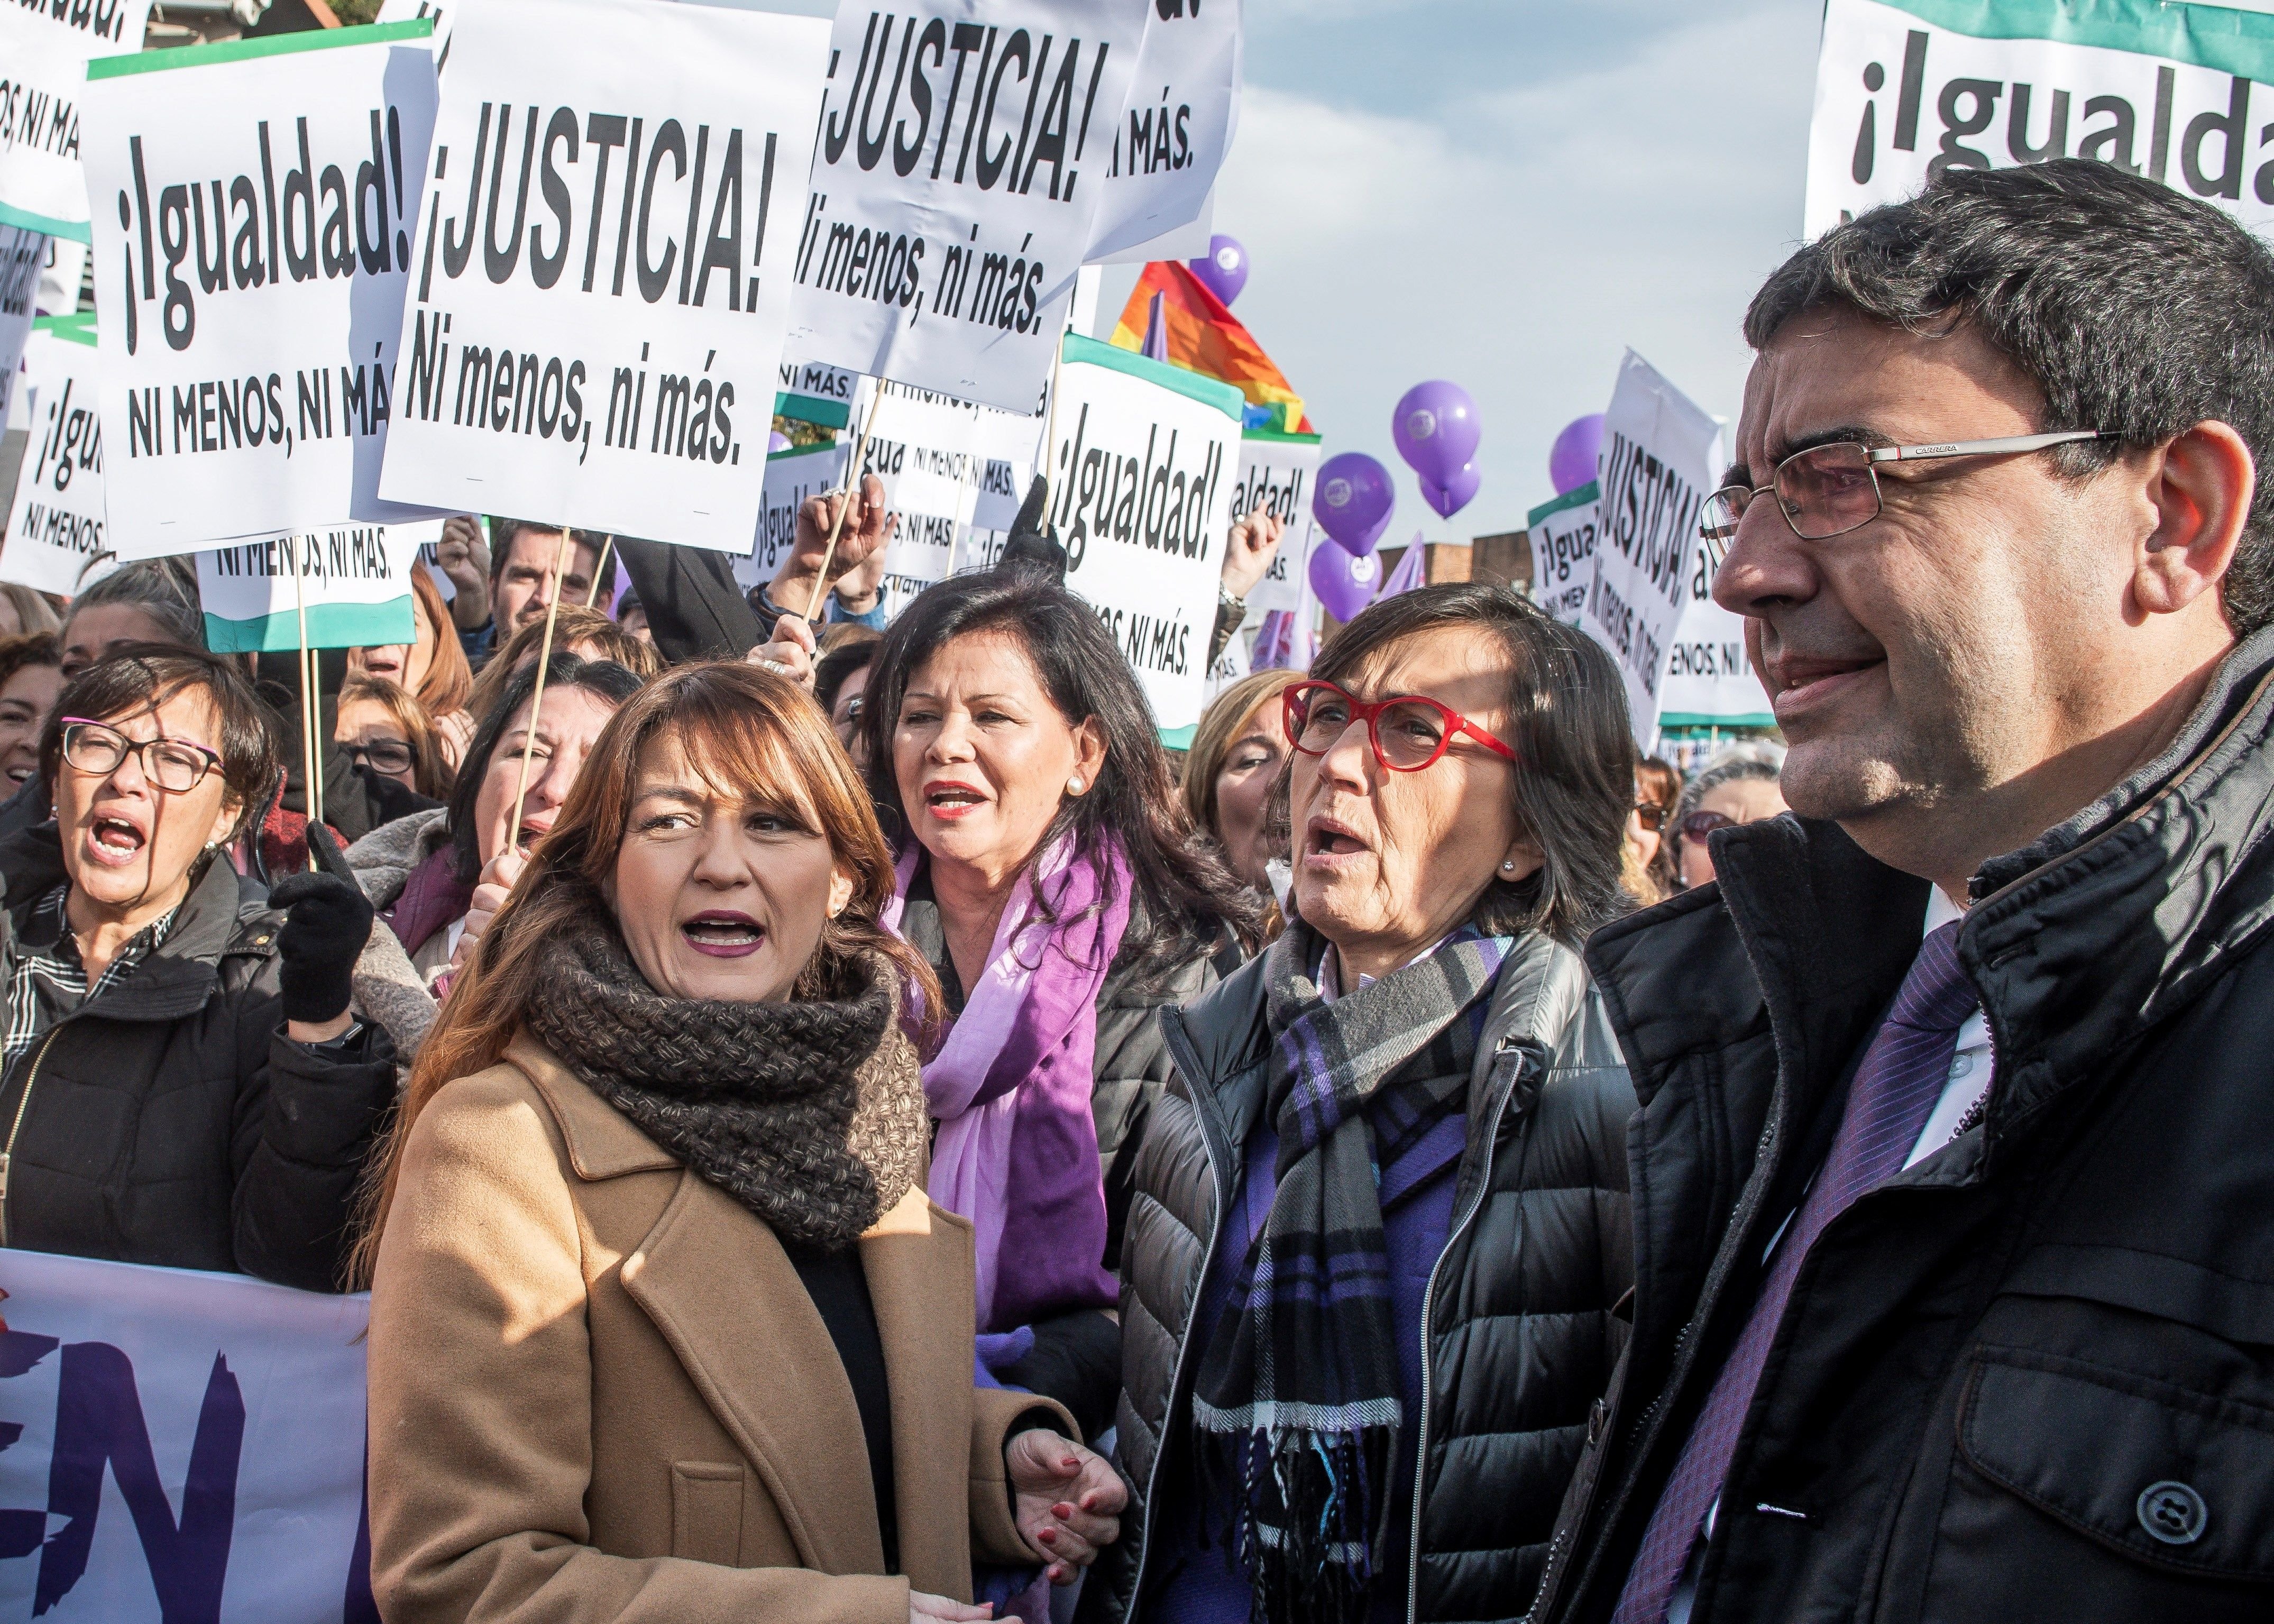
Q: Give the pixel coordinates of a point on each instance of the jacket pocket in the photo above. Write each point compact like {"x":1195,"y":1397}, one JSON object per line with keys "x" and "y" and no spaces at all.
{"x":706,"y":1512}
{"x":2167,"y":1476}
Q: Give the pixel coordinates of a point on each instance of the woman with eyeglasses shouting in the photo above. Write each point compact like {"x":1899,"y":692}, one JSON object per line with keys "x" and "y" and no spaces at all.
{"x":1380,"y":1218}
{"x":1740,"y":785}
{"x":186,"y":1083}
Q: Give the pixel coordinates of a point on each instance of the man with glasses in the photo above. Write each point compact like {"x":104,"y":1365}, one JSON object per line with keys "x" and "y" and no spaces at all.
{"x":1953,"y":1180}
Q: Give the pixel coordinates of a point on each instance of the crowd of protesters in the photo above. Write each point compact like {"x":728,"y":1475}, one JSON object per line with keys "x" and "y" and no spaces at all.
{"x":839,"y":1123}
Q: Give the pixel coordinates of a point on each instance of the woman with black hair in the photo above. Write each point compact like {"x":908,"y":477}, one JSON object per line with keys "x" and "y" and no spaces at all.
{"x":436,"y":876}
{"x":1047,"y":870}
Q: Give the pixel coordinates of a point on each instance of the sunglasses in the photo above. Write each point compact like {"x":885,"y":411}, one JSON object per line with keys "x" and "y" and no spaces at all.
{"x":1408,"y":730}
{"x":384,"y":755}
{"x":1650,"y":814}
{"x":1697,"y":825}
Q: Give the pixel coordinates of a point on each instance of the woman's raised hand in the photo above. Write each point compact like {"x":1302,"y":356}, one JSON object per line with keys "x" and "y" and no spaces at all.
{"x":1069,"y":1499}
{"x":496,"y":884}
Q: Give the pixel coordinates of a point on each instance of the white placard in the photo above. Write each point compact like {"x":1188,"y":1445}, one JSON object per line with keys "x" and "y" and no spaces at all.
{"x":962,"y":155}
{"x":1143,"y":462}
{"x":411,"y":11}
{"x":354,"y":590}
{"x":1562,"y":535}
{"x":1658,"y":464}
{"x":1274,"y":475}
{"x":924,"y":449}
{"x":1903,"y":92}
{"x":256,"y":214}
{"x":792,"y":477}
{"x":191,"y":1444}
{"x":45,"y":46}
{"x":600,"y":282}
{"x":60,"y":276}
{"x":1175,"y":131}
{"x":23,"y":254}
{"x":1710,"y":680}
{"x":56,"y":524}
{"x":813,"y":392}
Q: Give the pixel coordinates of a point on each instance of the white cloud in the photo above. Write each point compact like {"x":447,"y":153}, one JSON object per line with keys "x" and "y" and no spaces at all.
{"x":1516,"y":242}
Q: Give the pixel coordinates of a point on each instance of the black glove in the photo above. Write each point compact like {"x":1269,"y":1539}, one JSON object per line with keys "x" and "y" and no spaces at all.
{"x":326,"y":921}
{"x":1032,"y":543}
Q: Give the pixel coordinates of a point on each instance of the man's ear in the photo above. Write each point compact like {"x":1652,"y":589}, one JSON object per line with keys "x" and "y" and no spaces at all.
{"x":2200,"y":484}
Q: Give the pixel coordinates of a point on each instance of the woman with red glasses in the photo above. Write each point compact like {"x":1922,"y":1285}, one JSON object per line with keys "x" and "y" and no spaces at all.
{"x":1381,"y":1217}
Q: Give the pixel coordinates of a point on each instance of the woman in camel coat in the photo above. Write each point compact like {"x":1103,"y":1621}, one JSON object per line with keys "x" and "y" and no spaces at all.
{"x":663,"y":1325}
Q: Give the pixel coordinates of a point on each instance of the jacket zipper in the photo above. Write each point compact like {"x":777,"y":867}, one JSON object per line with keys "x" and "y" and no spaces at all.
{"x":15,"y":1127}
{"x":1209,"y":1130}
{"x":1428,"y":1303}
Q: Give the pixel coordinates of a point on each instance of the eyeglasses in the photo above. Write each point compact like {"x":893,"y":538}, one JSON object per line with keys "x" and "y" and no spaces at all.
{"x":1408,"y":730}
{"x":98,"y":750}
{"x":384,"y":755}
{"x":1697,"y":825}
{"x":1650,"y":814}
{"x":1827,"y":490}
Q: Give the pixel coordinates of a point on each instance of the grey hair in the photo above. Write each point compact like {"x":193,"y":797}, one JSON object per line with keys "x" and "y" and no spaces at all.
{"x":1759,"y":761}
{"x":163,"y":589}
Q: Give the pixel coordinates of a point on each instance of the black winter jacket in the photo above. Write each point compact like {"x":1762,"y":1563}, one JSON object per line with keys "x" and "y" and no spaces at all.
{"x":171,"y":1120}
{"x":1520,"y":1332}
{"x":2033,"y":1376}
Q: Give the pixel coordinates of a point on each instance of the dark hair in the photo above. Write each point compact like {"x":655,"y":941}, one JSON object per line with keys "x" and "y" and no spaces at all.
{"x":1185,"y":897}
{"x":504,"y":532}
{"x":1574,"y":781}
{"x":142,"y":676}
{"x":2135,"y":311}
{"x":848,"y":648}
{"x":604,"y":679}
{"x":163,"y":588}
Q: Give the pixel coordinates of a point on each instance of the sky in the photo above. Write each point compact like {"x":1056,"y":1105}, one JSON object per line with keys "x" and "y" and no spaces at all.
{"x":1508,"y":194}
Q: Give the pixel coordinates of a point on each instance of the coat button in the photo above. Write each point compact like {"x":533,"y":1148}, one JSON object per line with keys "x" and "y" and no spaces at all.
{"x":2172,"y":1512}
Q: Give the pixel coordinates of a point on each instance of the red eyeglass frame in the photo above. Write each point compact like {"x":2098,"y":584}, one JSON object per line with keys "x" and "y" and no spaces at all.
{"x":1290,"y":724}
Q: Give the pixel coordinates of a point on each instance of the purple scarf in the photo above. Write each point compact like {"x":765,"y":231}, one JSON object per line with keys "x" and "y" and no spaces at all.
{"x":1017,"y":1151}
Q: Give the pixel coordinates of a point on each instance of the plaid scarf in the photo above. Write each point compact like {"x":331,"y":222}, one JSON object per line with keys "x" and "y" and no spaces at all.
{"x":1297,"y":1397}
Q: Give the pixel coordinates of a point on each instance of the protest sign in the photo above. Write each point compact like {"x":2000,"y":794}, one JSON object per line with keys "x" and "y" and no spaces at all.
{"x":1564,"y":534}
{"x":792,"y":477}
{"x":1657,"y":467}
{"x":23,"y":254}
{"x":1904,"y":91}
{"x":56,"y":523}
{"x":1177,"y":125}
{"x":1142,"y":460}
{"x":947,"y":219}
{"x":183,"y":1446}
{"x":410,"y":11}
{"x":813,"y":393}
{"x":354,"y":588}
{"x":45,"y":46}
{"x":1275,"y":475}
{"x":923,"y":449}
{"x":608,"y":360}
{"x":257,"y":207}
{"x":1710,"y":680}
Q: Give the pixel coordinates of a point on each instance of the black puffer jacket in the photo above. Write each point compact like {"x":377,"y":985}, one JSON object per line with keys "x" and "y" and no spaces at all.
{"x":1521,"y":1333}
{"x":2032,"y":1377}
{"x":171,"y":1120}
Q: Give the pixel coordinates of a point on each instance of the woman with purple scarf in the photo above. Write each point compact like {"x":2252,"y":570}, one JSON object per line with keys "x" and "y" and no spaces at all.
{"x":1047,"y":872}
{"x":1380,"y":1227}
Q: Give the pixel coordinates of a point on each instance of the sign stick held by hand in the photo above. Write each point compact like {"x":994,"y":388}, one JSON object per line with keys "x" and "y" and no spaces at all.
{"x":814,"y":605}
{"x":537,"y":693}
{"x":312,"y":707}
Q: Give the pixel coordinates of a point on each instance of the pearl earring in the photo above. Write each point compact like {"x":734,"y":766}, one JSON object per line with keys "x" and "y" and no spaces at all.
{"x":1508,"y":865}
{"x":1074,"y":787}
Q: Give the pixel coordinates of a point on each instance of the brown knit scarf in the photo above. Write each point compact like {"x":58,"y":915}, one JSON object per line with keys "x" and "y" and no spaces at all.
{"x":810,"y":1113}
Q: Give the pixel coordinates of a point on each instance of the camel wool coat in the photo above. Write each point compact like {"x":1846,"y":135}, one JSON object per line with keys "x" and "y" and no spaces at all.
{"x":600,"y":1391}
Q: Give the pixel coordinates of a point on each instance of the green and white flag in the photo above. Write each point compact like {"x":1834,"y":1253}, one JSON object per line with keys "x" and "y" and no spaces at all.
{"x":354,"y":588}
{"x":1907,"y":90}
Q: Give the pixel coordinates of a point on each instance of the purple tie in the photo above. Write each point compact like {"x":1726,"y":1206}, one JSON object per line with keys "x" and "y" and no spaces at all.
{"x":1902,"y":1077}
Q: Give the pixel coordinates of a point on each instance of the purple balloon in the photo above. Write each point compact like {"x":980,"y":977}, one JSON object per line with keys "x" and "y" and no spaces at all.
{"x":1435,"y":428}
{"x":777,"y":441}
{"x":1223,"y":270}
{"x":1352,"y":500}
{"x":1448,"y":499}
{"x":1343,"y":581}
{"x":1571,"y":463}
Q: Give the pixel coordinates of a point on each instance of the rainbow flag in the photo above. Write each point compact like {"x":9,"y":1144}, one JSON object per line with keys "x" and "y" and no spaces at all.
{"x":1205,"y":337}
